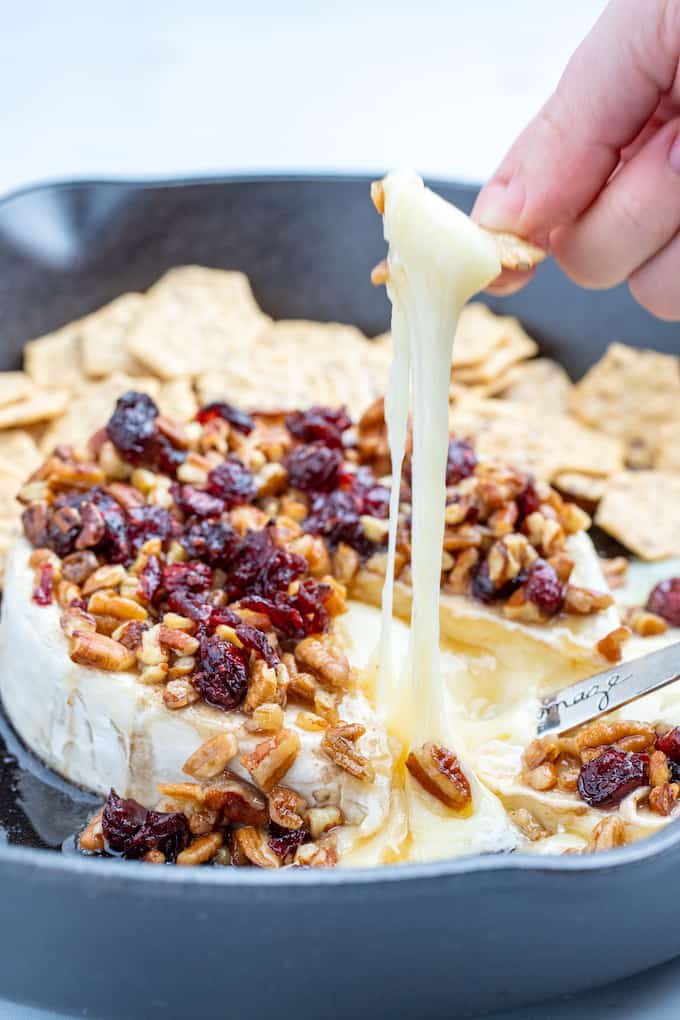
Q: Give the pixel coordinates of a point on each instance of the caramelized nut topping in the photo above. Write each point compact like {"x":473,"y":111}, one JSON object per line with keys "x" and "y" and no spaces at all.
{"x":438,"y":771}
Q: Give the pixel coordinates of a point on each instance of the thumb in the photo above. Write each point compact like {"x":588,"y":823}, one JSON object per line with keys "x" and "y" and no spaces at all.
{"x":609,"y":90}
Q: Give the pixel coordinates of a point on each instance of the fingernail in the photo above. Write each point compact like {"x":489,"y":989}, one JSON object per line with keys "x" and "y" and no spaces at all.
{"x":499,"y":206}
{"x":674,"y":155}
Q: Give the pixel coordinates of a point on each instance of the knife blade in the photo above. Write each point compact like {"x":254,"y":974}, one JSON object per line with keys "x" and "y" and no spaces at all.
{"x":596,"y":695}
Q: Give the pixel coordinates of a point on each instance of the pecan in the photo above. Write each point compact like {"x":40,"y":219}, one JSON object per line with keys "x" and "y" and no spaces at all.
{"x":377,"y":564}
{"x":154,"y":674}
{"x":373,"y":415}
{"x":266,"y":718}
{"x":608,"y":833}
{"x":659,"y":771}
{"x":314,"y":550}
{"x":615,"y":571}
{"x":177,"y":640}
{"x":269,"y":761}
{"x":541,"y":750}
{"x":182,"y":667}
{"x":178,"y":622}
{"x":573,"y":519}
{"x":34,"y":522}
{"x":194,"y":470}
{"x":563,"y":565}
{"x":311,"y":722}
{"x":567,"y":774}
{"x":252,"y":844}
{"x":438,"y":771}
{"x":202,"y":821}
{"x":201,"y":850}
{"x":91,"y":649}
{"x":543,"y":777}
{"x":465,"y":536}
{"x":151,"y":653}
{"x":111,"y":464}
{"x":106,"y":602}
{"x":67,"y":592}
{"x":346,"y":562}
{"x":78,"y":566}
{"x":300,"y":684}
{"x":527,"y":824}
{"x":262,"y":688}
{"x":92,"y":837}
{"x":108,"y":576}
{"x":321,"y":819}
{"x":335,"y":602}
{"x":126,"y":495}
{"x":644,"y":623}
{"x":545,"y":534}
{"x":129,"y":633}
{"x":72,"y":475}
{"x":179,"y":693}
{"x":339,"y":744}
{"x":508,"y":557}
{"x":458,"y":581}
{"x":584,"y":601}
{"x":610,"y":645}
{"x":212,"y":757}
{"x":238,"y":802}
{"x":271,"y":479}
{"x":518,"y":607}
{"x":93,"y":527}
{"x":326,"y":705}
{"x":326,"y":658}
{"x":503,"y":520}
{"x":287,"y":808}
{"x":603,"y":732}
{"x":316,"y":855}
{"x":76,"y":619}
{"x":154,"y":857}
{"x":662,"y":799}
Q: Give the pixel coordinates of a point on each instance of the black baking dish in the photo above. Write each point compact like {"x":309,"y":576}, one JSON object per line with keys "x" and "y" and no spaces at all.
{"x":109,"y":939}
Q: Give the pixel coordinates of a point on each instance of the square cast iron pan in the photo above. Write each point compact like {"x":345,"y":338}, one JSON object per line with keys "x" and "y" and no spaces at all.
{"x":451,"y":938}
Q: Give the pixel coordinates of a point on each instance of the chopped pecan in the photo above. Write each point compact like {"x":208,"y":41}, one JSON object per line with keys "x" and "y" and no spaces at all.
{"x":326,"y":658}
{"x":287,"y":808}
{"x":528,"y":825}
{"x":177,"y":640}
{"x":644,"y":623}
{"x":179,"y":693}
{"x":608,"y":833}
{"x":91,"y":649}
{"x":584,"y":601}
{"x":321,"y":819}
{"x":93,"y":527}
{"x":508,"y":557}
{"x":105,"y":601}
{"x":610,"y":645}
{"x":108,"y":576}
{"x":316,"y":855}
{"x":76,"y":619}
{"x":78,"y":566}
{"x":339,"y":744}
{"x":603,"y":732}
{"x":34,"y":521}
{"x":541,"y":750}
{"x":251,"y":843}
{"x":563,"y":565}
{"x":237,"y":802}
{"x":266,"y":718}
{"x":311,"y":722}
{"x":269,"y":761}
{"x":545,"y":534}
{"x":615,"y":571}
{"x":262,"y":688}
{"x":200,"y":850}
{"x":438,"y":771}
{"x":129,"y":633}
{"x":543,"y":777}
{"x":458,"y":581}
{"x":212,"y":757}
{"x":659,"y":771}
{"x":346,"y":563}
{"x":92,"y":837}
{"x":662,"y":799}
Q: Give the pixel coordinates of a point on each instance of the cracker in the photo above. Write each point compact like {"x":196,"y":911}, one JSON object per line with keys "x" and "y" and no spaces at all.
{"x":41,"y":406}
{"x":541,"y":382}
{"x":478,"y":335}
{"x":515,"y":345}
{"x":515,"y":253}
{"x":19,"y":451}
{"x":177,"y":400}
{"x":583,"y":488}
{"x":667,"y":453}
{"x":631,"y":394}
{"x":195,"y":320}
{"x":639,"y":508}
{"x":55,"y":359}
{"x":533,"y":440}
{"x":91,"y":406}
{"x":15,"y":386}
{"x":296,"y":363}
{"x":103,"y":338}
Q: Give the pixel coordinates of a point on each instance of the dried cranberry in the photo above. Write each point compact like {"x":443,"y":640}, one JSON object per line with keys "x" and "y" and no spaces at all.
{"x":461,"y":461}
{"x":373,"y":498}
{"x":222,"y":678}
{"x":282,"y":614}
{"x":132,"y":426}
{"x":257,"y":642}
{"x":481,"y":586}
{"x":320,"y":423}
{"x":314,"y":468}
{"x":277,"y":572}
{"x":284,"y":842}
{"x":544,"y":588}
{"x":146,"y":522}
{"x":309,"y":600}
{"x":241,"y":421}
{"x":131,"y":830}
{"x":605,"y":781}
{"x":196,"y":502}
{"x":212,"y":540}
{"x":195,"y":605}
{"x":165,"y":457}
{"x":191,"y":576}
{"x":669,"y":743}
{"x":231,"y":482}
{"x":150,"y":578}
{"x":665,"y":601}
{"x":528,"y":501}
{"x":337,"y":516}
{"x":246,"y":563}
{"x":42,"y":593}
{"x":224,"y":615}
{"x":114,"y":544}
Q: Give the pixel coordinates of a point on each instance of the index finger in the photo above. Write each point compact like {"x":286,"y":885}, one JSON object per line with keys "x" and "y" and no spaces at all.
{"x":610,"y":88}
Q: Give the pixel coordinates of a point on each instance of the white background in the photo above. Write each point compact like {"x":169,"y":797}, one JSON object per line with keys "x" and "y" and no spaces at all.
{"x":134,"y":88}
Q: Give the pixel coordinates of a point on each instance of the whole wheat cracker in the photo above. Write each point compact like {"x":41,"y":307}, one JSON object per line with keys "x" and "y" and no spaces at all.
{"x":639,"y":508}
{"x":195,"y":320}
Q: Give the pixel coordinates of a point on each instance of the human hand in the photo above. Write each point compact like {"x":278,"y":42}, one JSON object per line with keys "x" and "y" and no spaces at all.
{"x":596,"y":175}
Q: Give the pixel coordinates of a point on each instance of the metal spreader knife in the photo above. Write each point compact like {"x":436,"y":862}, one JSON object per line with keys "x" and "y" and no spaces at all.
{"x":597,"y":695}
